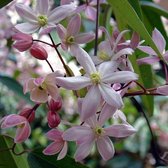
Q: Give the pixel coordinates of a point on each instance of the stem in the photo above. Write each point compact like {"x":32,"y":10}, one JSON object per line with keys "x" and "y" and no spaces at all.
{"x":141,"y":86}
{"x":97,"y":26}
{"x":43,"y":42}
{"x":122,"y":87}
{"x":50,"y":65}
{"x":18,"y":154}
{"x":59,"y":55}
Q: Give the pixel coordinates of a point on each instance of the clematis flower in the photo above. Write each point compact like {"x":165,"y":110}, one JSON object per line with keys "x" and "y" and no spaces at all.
{"x":94,"y":132}
{"x":23,"y":128}
{"x":160,"y":43}
{"x":99,"y":81}
{"x":59,"y":145}
{"x":41,"y":87}
{"x":41,"y":17}
{"x":70,"y":37}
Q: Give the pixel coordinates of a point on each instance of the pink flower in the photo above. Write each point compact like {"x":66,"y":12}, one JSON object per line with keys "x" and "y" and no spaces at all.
{"x":38,"y":52}
{"x":99,"y":81}
{"x":53,"y":119}
{"x":59,"y":145}
{"x":41,"y":17}
{"x":160,"y":43}
{"x":23,"y":41}
{"x":55,"y":105}
{"x":28,"y":113}
{"x":162,"y":90}
{"x":23,"y":128}
{"x":70,"y":37}
{"x":92,"y":132}
{"x":41,"y":87}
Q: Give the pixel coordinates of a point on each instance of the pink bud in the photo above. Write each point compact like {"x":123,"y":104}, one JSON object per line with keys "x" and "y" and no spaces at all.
{"x":53,"y":119}
{"x":55,"y":105}
{"x":28,"y":113}
{"x":22,"y":41}
{"x":38,"y":52}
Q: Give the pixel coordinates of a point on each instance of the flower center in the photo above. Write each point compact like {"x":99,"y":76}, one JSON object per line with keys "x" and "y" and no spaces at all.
{"x":99,"y":130}
{"x":70,"y":40}
{"x":95,"y":78}
{"x":103,"y":56}
{"x":42,"y":20}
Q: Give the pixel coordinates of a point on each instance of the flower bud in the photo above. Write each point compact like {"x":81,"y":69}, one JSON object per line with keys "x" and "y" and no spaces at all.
{"x":22,"y":41}
{"x":53,"y":119}
{"x":38,"y":52}
{"x":28,"y":113}
{"x":55,"y":105}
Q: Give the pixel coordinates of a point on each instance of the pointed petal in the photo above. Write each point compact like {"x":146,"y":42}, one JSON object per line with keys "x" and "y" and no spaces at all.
{"x":90,"y":13}
{"x":42,"y":7}
{"x":73,"y":83}
{"x":90,"y":103}
{"x":159,"y":40}
{"x":111,"y":96}
{"x":148,"y":60}
{"x":60,"y":13}
{"x":63,"y":152}
{"x":53,"y":91}
{"x":54,"y":134}
{"x":119,"y":77}
{"x":162,"y":90}
{"x":135,"y":40}
{"x":83,"y":150}
{"x":27,"y":27}
{"x":22,"y":133}
{"x":53,"y":148}
{"x":120,"y":130}
{"x":84,"y":38}
{"x":26,"y":13}
{"x":29,"y":85}
{"x":61,"y":31}
{"x":105,"y":147}
{"x":38,"y":96}
{"x":74,"y":25}
{"x":147,"y":50}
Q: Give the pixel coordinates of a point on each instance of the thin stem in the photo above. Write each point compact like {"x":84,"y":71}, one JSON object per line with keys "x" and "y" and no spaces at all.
{"x":59,"y":55}
{"x":20,"y":153}
{"x":50,"y":65}
{"x":97,"y":27}
{"x":141,"y":86}
{"x":122,"y":87}
{"x":43,"y":42}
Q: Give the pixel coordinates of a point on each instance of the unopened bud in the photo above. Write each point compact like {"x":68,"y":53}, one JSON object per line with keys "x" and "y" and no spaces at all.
{"x":53,"y":119}
{"x":28,"y":113}
{"x":38,"y":52}
{"x":55,"y":105}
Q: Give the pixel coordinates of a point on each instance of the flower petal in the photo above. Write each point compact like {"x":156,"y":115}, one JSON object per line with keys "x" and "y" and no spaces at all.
{"x":90,"y":13}
{"x":53,"y":148}
{"x":147,"y":50}
{"x":90,"y":103}
{"x":74,"y":25}
{"x":159,"y":40}
{"x":119,"y":77}
{"x":120,"y":130}
{"x":162,"y":90}
{"x":26,"y":13}
{"x":111,"y":96}
{"x":84,"y":38}
{"x":148,"y":60}
{"x":73,"y":83}
{"x":54,"y":134}
{"x":61,"y":31}
{"x":42,"y":7}
{"x":27,"y":27}
{"x":52,"y":91}
{"x":60,"y":13}
{"x":38,"y":96}
{"x":63,"y":152}
{"x":105,"y":148}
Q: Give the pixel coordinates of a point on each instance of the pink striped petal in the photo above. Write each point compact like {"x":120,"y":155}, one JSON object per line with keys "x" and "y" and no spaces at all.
{"x":61,"y":31}
{"x":54,"y":134}
{"x":73,"y":83}
{"x":27,"y":27}
{"x":42,"y":6}
{"x":90,"y":103}
{"x":147,"y":50}
{"x":162,"y":90}
{"x":74,"y":26}
{"x":90,"y":13}
{"x":53,"y":148}
{"x":105,"y":148}
{"x":52,"y":91}
{"x":148,"y":60}
{"x":111,"y":96}
{"x":63,"y":152}
{"x":84,"y":38}
{"x":135,"y":40}
{"x":159,"y":40}
{"x":120,"y":130}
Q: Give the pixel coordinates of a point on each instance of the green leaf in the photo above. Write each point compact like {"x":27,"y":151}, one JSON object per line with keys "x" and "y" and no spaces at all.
{"x":7,"y":158}
{"x":4,"y":2}
{"x":14,"y":86}
{"x":37,"y":159}
{"x":127,"y":12}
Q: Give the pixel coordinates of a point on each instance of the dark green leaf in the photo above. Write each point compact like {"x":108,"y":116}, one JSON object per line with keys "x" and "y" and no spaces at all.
{"x":7,"y":158}
{"x":37,"y":159}
{"x":4,"y":2}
